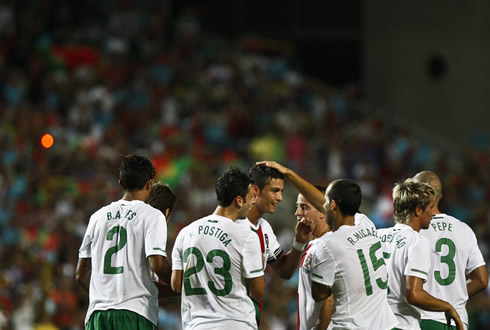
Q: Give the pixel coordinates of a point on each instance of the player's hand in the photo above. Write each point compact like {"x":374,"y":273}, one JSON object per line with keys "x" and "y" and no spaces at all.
{"x":277,"y":166}
{"x":304,"y":230}
{"x":452,"y":314}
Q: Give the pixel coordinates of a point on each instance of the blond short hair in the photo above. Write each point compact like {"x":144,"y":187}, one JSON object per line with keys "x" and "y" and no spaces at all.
{"x":409,"y":195}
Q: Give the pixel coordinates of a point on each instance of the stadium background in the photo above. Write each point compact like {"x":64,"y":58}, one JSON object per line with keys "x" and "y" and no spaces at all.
{"x":369,"y":90}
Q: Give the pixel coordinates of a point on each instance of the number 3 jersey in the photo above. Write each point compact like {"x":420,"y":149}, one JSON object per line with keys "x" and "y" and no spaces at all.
{"x":454,"y":254}
{"x":118,"y":239}
{"x":407,"y":254}
{"x":350,"y":261}
{"x":217,"y":257}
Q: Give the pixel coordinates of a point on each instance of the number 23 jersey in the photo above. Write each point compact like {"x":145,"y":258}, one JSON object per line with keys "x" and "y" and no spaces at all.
{"x":350,"y":261}
{"x":217,"y":256}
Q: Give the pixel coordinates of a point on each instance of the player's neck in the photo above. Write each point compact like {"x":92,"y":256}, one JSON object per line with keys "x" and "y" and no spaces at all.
{"x":345,"y":221}
{"x":254,"y":215}
{"x":226,"y":212}
{"x":322,"y":232}
{"x":134,"y":196}
{"x":414,"y":224}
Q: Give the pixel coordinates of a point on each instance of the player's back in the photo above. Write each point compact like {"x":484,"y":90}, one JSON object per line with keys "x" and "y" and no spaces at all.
{"x":406,"y":254}
{"x":360,"y":282}
{"x":216,"y":255}
{"x":454,"y":253}
{"x":118,"y":240}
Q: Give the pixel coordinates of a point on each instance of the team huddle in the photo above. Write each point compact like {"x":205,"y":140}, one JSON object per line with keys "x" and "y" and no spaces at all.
{"x":417,"y":274}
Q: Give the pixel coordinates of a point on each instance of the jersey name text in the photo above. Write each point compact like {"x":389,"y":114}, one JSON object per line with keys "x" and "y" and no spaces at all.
{"x":129,"y":215}
{"x":215,"y":232}
{"x":442,"y":226}
{"x":360,"y":234}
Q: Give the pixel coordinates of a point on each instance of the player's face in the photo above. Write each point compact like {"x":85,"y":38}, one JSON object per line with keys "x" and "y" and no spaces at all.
{"x":250,"y":199}
{"x":305,"y":210}
{"x":427,"y":215}
{"x":269,"y":197}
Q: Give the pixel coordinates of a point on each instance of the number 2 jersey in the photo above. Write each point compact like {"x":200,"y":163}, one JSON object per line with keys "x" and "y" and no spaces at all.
{"x":118,"y":239}
{"x":217,"y":257}
{"x":350,"y":261}
{"x":454,"y":254}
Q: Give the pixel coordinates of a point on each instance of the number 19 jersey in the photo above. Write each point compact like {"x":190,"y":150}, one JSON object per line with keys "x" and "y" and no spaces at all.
{"x":217,"y":256}
{"x":118,"y":239}
{"x":350,"y":261}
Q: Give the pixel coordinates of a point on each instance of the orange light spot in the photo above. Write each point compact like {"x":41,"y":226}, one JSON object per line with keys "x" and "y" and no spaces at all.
{"x":47,"y":141}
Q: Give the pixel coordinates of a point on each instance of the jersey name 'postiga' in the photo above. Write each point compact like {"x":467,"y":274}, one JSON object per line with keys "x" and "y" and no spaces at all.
{"x":215,"y":232}
{"x":362,"y":233}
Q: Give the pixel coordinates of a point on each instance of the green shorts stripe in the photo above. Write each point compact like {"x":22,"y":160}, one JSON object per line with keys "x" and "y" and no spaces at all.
{"x":114,"y":319}
{"x":434,"y":325}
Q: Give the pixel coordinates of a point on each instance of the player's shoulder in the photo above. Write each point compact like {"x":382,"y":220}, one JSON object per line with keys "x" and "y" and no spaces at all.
{"x":454,"y":221}
{"x":264,"y":224}
{"x":385,"y":232}
{"x":360,"y":219}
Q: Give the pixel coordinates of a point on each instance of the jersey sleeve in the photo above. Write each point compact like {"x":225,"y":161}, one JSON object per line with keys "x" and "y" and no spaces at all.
{"x":322,"y":265}
{"x":252,"y":257}
{"x":156,"y":235}
{"x":475,"y":257}
{"x":85,"y":250}
{"x":271,"y":243}
{"x":419,"y":259}
{"x":177,"y":253}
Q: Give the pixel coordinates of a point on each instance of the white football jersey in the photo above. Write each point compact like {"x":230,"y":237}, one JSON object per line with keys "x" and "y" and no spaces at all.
{"x":407,"y":254}
{"x":350,"y":261}
{"x":454,"y":254}
{"x":118,"y":239}
{"x":270,"y":247}
{"x":217,"y":256}
{"x":308,"y":308}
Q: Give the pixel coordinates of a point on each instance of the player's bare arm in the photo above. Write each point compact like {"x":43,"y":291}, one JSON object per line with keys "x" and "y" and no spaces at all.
{"x":257,"y":287}
{"x":176,"y":280}
{"x":320,"y":292}
{"x":83,"y":273}
{"x":420,"y":298}
{"x":160,"y":266}
{"x":288,"y":263}
{"x":326,"y":312}
{"x":316,"y":197}
{"x":478,"y":280}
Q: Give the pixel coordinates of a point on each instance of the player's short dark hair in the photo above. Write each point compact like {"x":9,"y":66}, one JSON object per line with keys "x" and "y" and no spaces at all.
{"x":162,"y":197}
{"x":321,"y":188}
{"x":135,"y":171}
{"x":347,"y":195}
{"x":232,"y":183}
{"x":262,"y":175}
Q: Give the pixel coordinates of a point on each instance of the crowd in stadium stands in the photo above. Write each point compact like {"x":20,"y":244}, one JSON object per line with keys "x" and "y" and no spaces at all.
{"x":114,"y":77}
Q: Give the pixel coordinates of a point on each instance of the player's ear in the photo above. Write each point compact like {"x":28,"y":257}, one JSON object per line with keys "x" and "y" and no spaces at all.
{"x":256,"y":189}
{"x":120,"y":184}
{"x":418,"y":211}
{"x":238,"y":201}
